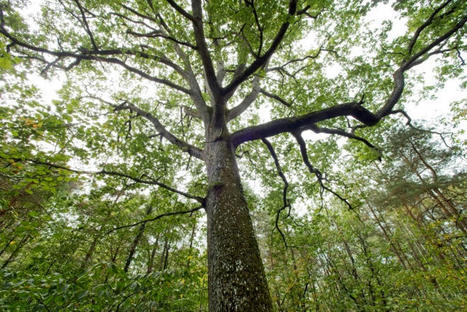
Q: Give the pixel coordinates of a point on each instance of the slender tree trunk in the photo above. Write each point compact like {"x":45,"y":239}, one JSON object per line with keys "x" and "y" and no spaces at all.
{"x":136,"y":241}
{"x":153,"y":254}
{"x":236,"y":275}
{"x":190,"y":247}
{"x":392,"y":243}
{"x":15,"y":252}
{"x":164,"y":255}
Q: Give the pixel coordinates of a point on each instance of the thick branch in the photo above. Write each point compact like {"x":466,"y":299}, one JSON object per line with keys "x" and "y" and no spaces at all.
{"x":353,"y":109}
{"x":304,"y":122}
{"x":247,"y":101}
{"x":203,"y":49}
{"x":190,"y":149}
{"x":196,"y":94}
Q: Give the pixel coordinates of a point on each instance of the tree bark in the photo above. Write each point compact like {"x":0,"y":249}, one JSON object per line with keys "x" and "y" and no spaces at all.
{"x":236,"y":275}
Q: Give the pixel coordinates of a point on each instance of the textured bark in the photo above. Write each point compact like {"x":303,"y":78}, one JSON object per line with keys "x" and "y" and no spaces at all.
{"x":236,"y":275}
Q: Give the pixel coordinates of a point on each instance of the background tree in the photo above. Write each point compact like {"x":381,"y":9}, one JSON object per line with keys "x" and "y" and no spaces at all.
{"x":159,"y":91}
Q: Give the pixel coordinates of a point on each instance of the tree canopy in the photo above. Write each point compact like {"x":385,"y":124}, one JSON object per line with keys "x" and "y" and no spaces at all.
{"x":231,"y":156}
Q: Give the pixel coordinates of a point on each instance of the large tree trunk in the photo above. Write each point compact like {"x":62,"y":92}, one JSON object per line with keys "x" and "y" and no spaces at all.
{"x":236,"y":275}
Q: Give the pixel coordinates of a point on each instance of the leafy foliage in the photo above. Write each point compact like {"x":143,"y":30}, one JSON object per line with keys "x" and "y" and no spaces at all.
{"x":104,"y":192}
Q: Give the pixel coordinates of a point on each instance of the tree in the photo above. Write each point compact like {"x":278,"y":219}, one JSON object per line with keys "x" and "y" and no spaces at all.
{"x":222,"y":66}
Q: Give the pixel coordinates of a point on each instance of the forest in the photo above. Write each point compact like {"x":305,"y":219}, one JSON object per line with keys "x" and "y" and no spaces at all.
{"x":233,"y":155}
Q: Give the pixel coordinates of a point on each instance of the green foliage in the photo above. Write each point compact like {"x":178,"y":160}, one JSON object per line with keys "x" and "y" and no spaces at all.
{"x":87,"y":197}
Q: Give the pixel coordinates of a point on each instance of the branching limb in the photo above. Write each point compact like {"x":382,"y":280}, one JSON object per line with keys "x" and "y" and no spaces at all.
{"x":343,"y":133}
{"x":425,"y":25}
{"x":203,"y":50}
{"x":196,"y":94}
{"x":167,"y":214}
{"x":143,"y":179}
{"x":275,"y":97}
{"x":247,"y":101}
{"x":304,"y":122}
{"x":86,"y":25}
{"x":284,"y":192}
{"x":261,"y":60}
{"x":190,"y":149}
{"x":416,"y":58}
{"x":88,"y":55}
{"x":354,"y":109}
{"x":316,"y":172}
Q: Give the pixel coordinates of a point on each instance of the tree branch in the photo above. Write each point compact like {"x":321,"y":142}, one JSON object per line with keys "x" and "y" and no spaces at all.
{"x":167,"y":214}
{"x":113,"y":173}
{"x":86,"y":25}
{"x":284,"y":191}
{"x":275,"y":97}
{"x":180,"y":10}
{"x":261,"y":60}
{"x":314,"y":56}
{"x":90,"y":55}
{"x":203,"y":50}
{"x":316,"y":172}
{"x":251,"y":3}
{"x":196,"y":94}
{"x":190,"y":149}
{"x":304,"y":122}
{"x":354,"y":109}
{"x":247,"y":101}
{"x":343,"y":133}
{"x":424,"y":25}
{"x":413,"y":60}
